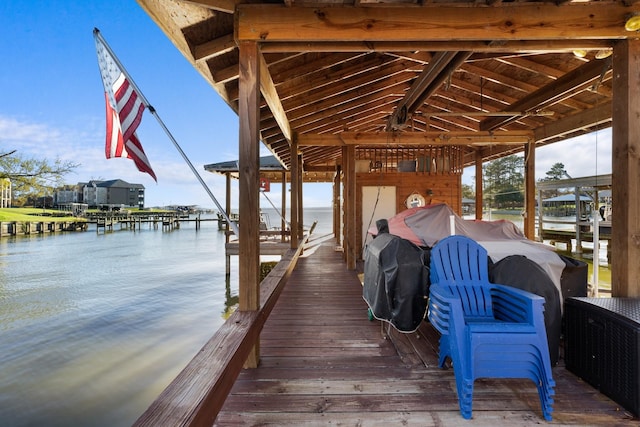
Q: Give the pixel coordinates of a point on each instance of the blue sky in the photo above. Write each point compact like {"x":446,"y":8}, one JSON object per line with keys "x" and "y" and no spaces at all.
{"x":52,"y":104}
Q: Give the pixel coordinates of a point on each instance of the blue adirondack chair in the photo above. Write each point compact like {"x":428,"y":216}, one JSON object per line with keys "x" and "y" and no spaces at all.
{"x":488,"y":330}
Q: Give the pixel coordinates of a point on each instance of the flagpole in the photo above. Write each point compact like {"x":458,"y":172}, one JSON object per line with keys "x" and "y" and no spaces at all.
{"x":233,"y":225}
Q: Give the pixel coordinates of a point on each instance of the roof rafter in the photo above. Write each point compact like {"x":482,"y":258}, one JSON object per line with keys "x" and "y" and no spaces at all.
{"x":226,"y":6}
{"x":215,"y":47}
{"x":549,"y":94}
{"x":270,"y":95}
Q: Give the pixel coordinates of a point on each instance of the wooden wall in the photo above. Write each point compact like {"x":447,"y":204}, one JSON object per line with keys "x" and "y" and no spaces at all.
{"x":446,"y":187}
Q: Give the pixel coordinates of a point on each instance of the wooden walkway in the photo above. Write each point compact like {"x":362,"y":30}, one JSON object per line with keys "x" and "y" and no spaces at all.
{"x":324,"y":363}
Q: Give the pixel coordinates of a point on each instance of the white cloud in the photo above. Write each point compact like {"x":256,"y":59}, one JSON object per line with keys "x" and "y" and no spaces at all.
{"x":22,"y":134}
{"x":84,"y":144}
{"x":586,"y":155}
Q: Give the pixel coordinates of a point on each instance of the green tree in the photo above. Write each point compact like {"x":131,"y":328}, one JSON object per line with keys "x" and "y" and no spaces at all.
{"x":503,"y":182}
{"x":468,"y":192}
{"x":556,"y":173}
{"x":32,"y":178}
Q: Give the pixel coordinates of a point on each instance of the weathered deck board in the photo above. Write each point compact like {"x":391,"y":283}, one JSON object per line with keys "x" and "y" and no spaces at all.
{"x":324,"y":363}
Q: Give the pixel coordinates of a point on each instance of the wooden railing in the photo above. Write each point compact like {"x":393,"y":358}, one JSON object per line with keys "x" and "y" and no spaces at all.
{"x":197,"y":394}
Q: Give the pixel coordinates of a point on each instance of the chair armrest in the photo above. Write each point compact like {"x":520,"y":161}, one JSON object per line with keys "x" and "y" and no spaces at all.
{"x":516,"y":305}
{"x":439,"y":308}
{"x":444,"y":308}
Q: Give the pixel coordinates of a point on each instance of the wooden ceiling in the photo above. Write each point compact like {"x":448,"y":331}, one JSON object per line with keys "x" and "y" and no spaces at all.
{"x":489,"y":75}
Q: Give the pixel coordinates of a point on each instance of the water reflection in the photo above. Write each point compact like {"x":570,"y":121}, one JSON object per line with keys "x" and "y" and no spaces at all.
{"x":94,"y":326}
{"x":230,"y":299}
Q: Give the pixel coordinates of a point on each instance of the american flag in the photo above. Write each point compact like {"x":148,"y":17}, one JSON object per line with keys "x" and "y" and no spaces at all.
{"x":124,"y":111}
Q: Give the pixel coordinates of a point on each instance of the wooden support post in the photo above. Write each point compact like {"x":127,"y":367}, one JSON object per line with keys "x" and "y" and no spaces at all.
{"x":227,"y":225}
{"x":283,"y":236}
{"x":625,"y":230}
{"x":300,"y":204}
{"x":249,"y":185}
{"x":345,"y":203}
{"x":295,"y":237}
{"x":576,"y":192}
{"x":337,"y":208}
{"x":530,"y":190}
{"x":350,"y":203}
{"x":479,"y":194}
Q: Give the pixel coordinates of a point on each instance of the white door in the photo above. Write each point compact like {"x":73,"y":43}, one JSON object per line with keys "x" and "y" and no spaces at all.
{"x":377,"y":203}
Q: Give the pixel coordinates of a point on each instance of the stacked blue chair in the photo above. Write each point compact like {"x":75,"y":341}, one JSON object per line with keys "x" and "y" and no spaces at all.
{"x":487,"y":330}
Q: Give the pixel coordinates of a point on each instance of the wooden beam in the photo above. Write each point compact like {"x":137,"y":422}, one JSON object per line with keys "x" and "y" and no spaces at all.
{"x":625,"y":232}
{"x":435,"y":68}
{"x":162,"y":17}
{"x":226,"y":6}
{"x":274,"y":23}
{"x":283,"y":207}
{"x":216,"y":47}
{"x":433,"y":75}
{"x":350,"y":220}
{"x":530,"y":190}
{"x":414,"y":138}
{"x":550,"y":93}
{"x":504,"y":46}
{"x":227,"y":226}
{"x":479,"y":181}
{"x":294,"y":192}
{"x":300,"y":195}
{"x":323,"y":140}
{"x":270,"y":95}
{"x":584,"y":119}
{"x":227,"y":74}
{"x":337,"y":208}
{"x":320,"y":168}
{"x":248,"y":184}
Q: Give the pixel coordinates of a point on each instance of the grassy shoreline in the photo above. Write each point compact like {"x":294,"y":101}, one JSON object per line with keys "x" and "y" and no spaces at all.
{"x":52,"y":215}
{"x":36,"y":215}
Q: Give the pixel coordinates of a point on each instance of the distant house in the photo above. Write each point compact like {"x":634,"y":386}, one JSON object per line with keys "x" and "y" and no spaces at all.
{"x":67,"y":194}
{"x":5,"y":193}
{"x":112,"y":193}
{"x":468,"y":205}
{"x":565,"y":205}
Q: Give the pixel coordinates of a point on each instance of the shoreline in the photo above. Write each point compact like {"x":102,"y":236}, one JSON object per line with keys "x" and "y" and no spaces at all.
{"x":27,"y":228}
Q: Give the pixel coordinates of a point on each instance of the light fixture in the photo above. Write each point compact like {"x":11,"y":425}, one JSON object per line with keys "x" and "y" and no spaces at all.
{"x":580,"y":53}
{"x":633,"y":23}
{"x":604,"y":53}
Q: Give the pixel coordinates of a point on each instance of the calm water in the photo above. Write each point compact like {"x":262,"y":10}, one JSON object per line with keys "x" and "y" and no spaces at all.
{"x":94,"y":326}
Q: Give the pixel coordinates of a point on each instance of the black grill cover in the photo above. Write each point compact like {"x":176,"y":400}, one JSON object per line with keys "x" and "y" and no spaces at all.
{"x":396,"y":281}
{"x":520,"y":272}
{"x":573,"y":281}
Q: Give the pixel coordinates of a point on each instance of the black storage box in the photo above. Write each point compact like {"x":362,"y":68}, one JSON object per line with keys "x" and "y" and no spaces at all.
{"x":602,"y":346}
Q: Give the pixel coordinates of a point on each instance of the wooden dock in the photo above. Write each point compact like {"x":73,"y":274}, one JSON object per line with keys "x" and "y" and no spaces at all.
{"x":272,"y":242}
{"x":324,"y":363}
{"x":25,"y":228}
{"x":567,"y":237}
{"x":135,"y":220}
